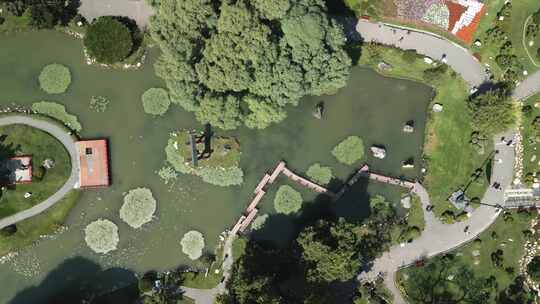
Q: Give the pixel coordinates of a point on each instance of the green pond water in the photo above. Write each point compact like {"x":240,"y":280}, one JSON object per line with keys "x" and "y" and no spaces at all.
{"x":371,"y":106}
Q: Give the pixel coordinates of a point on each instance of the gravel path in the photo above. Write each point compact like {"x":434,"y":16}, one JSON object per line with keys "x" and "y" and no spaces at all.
{"x":68,"y":141}
{"x":137,"y":10}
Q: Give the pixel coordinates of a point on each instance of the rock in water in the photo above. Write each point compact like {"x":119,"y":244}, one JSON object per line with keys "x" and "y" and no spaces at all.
{"x":408,"y":127}
{"x":408,"y":164}
{"x":378,"y":152}
{"x":319,"y":110}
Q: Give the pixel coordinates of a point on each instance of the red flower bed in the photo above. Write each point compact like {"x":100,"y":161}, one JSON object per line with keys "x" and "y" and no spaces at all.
{"x":456,"y":11}
{"x":467,"y":33}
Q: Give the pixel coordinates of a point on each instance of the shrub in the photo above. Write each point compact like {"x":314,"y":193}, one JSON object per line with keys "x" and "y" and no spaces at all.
{"x":461,"y":217}
{"x":448,"y":217}
{"x":101,"y":236}
{"x":409,"y":56}
{"x":156,"y":101}
{"x":58,"y":112}
{"x":54,"y":78}
{"x":138,"y":208}
{"x":319,"y":174}
{"x":259,"y":222}
{"x":223,"y":177}
{"x":108,"y":40}
{"x":349,"y":150}
{"x":99,"y":103}
{"x":287,"y":200}
{"x":435,"y":74}
{"x":193,"y":244}
{"x":533,"y":268}
{"x":410,"y":233}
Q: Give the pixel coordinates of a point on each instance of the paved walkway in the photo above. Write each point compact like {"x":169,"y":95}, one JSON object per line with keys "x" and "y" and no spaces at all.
{"x":434,"y":46}
{"x":528,"y":87}
{"x":437,"y":237}
{"x":208,"y":296}
{"x":137,"y":10}
{"x":68,"y":141}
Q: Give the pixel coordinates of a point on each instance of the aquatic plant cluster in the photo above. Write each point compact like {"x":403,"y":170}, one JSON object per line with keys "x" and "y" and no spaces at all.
{"x":319,"y":174}
{"x":102,"y":236}
{"x":287,"y":200}
{"x":58,"y":112}
{"x":155,"y":101}
{"x":55,"y":78}
{"x":349,"y":150}
{"x":193,"y":244}
{"x":138,"y":208}
{"x":99,"y":103}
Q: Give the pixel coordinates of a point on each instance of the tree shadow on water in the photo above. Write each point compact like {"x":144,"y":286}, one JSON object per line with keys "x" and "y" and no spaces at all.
{"x":354,"y":204}
{"x":77,"y":280}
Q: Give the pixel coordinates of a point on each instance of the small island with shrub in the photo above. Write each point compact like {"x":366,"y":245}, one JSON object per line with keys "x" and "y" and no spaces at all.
{"x":215,"y":159}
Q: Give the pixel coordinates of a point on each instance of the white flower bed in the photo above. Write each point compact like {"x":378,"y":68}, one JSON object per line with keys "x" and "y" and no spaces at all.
{"x":101,"y":236}
{"x":138,"y":208}
{"x":193,"y":244}
{"x":437,"y":14}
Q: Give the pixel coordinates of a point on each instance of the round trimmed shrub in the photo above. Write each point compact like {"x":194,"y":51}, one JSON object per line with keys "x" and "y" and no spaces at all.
{"x":259,"y":222}
{"x":319,"y":174}
{"x":287,"y":200}
{"x":349,"y":150}
{"x":138,"y":208}
{"x":101,"y":236}
{"x":55,"y":78}
{"x":156,"y":101}
{"x":193,"y":244}
{"x":108,"y":40}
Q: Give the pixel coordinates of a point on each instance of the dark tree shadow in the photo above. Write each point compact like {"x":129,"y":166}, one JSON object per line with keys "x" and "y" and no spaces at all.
{"x":74,"y":281}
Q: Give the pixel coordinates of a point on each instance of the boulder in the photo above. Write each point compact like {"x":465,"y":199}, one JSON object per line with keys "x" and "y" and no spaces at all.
{"x":406,"y":202}
{"x":378,"y":152}
{"x":437,"y":108}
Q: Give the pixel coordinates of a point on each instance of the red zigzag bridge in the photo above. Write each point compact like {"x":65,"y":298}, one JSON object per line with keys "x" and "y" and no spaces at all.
{"x":251,"y":211}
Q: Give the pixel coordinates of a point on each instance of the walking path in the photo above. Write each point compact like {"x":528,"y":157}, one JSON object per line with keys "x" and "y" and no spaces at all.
{"x":137,"y":10}
{"x":437,"y":237}
{"x":428,"y":44}
{"x":68,"y":141}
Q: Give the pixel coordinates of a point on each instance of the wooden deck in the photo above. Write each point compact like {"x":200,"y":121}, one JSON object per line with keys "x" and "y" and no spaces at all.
{"x":251,"y":211}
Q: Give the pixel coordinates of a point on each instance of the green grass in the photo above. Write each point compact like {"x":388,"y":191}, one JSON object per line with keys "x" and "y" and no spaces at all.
{"x":530,"y":146}
{"x":238,"y":248}
{"x":24,"y":140}
{"x":199,"y":280}
{"x":30,"y":230}
{"x":508,"y":233}
{"x":521,"y":10}
{"x":416,"y":213}
{"x":450,"y":159}
{"x":220,"y":157}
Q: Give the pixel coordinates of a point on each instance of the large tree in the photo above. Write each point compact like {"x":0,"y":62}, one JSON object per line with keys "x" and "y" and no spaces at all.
{"x":234,"y":62}
{"x":330,"y":251}
{"x":492,"y":111}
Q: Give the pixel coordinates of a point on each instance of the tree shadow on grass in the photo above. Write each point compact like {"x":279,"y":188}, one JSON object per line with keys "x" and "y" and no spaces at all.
{"x":77,"y":280}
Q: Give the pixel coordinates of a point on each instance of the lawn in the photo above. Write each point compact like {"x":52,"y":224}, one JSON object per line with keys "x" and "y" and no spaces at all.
{"x":450,"y":158}
{"x":506,"y":235}
{"x":513,"y":27}
{"x":531,"y":158}
{"x":30,"y":230}
{"x":25,"y":140}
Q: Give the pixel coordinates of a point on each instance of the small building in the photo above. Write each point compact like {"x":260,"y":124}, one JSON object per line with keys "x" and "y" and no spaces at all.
{"x":459,"y":200}
{"x":16,"y":170}
{"x":94,"y":162}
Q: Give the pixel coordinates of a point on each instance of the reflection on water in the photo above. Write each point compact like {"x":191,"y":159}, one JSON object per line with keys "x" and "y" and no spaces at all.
{"x":372,"y":107}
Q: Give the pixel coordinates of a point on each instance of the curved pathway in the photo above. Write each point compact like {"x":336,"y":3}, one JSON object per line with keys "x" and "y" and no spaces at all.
{"x":437,"y":237}
{"x":68,"y":141}
{"x":427,"y":44}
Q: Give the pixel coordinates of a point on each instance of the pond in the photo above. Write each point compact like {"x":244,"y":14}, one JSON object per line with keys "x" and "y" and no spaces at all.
{"x":372,"y":107}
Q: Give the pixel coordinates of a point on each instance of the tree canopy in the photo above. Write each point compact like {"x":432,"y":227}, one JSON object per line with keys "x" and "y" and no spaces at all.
{"x":155,"y":101}
{"x":329,"y":251}
{"x":108,"y":40}
{"x":241,"y":62}
{"x":492,"y":111}
{"x":533,"y":268}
